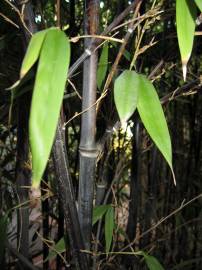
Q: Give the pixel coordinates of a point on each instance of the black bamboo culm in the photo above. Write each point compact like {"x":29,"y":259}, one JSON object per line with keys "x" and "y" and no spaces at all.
{"x":23,"y":176}
{"x":87,"y":148}
{"x":66,"y":195}
{"x":134,"y":182}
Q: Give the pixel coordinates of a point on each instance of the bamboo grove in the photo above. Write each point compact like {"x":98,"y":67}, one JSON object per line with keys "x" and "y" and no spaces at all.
{"x":100,"y":134}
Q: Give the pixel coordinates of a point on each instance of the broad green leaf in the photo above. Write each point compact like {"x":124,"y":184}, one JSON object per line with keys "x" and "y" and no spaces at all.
{"x":102,"y":66}
{"x":199,"y":4}
{"x":33,"y":51}
{"x":185,"y":20}
{"x":99,"y":211}
{"x":109,"y":227}
{"x":152,"y":263}
{"x":47,"y":98}
{"x":126,"y":94}
{"x":153,"y":118}
{"x":3,"y":235}
{"x":57,"y":249}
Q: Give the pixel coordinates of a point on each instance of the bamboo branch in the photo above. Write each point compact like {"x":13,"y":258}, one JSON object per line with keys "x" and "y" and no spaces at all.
{"x":96,"y":42}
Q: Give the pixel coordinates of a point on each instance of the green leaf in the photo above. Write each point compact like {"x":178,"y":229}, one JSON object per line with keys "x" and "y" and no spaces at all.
{"x":152,"y":263}
{"x":57,"y":249}
{"x":47,"y":98}
{"x":109,"y":227}
{"x":126,"y":53}
{"x":3,"y":235}
{"x":199,"y":4}
{"x":153,"y":118}
{"x":102,"y":66}
{"x":33,"y":51}
{"x":99,"y":211}
{"x":185,"y":20}
{"x":126,"y":94}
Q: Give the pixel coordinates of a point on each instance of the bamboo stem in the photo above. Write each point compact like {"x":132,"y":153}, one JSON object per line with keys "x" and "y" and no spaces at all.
{"x":68,"y":200}
{"x":23,"y":175}
{"x":88,"y":150}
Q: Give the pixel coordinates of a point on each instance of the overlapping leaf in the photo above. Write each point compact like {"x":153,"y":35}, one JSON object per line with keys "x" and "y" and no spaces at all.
{"x":109,"y":227}
{"x":57,"y":249}
{"x":153,"y":118}
{"x":99,"y":211}
{"x":126,"y":94}
{"x":33,"y":51}
{"x":47,"y":98}
{"x":102,"y":66}
{"x":131,"y":90}
{"x":185,"y":20}
{"x":199,"y":4}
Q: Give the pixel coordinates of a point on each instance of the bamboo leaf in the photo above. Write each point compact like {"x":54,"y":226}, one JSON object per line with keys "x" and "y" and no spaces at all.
{"x":199,"y":4}
{"x":99,"y":211}
{"x":185,"y":20}
{"x":3,"y":235}
{"x":47,"y":98}
{"x":109,"y":227}
{"x":126,"y":94}
{"x":153,"y":118}
{"x":152,"y":263}
{"x":33,"y":52}
{"x":102,"y":66}
{"x":57,"y":249}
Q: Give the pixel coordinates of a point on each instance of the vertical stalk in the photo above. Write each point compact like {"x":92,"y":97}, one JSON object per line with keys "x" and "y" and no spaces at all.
{"x":23,"y":176}
{"x":134,"y":182}
{"x":88,"y":151}
{"x":66,"y":195}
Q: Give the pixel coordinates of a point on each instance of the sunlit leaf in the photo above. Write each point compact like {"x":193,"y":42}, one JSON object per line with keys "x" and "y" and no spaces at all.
{"x":185,"y":19}
{"x":99,"y":211}
{"x":152,"y":116}
{"x":3,"y":235}
{"x":102,"y":66}
{"x":109,"y":227}
{"x":57,"y":249}
{"x":126,"y":94}
{"x":47,"y":98}
{"x":33,"y":52}
{"x":199,"y":4}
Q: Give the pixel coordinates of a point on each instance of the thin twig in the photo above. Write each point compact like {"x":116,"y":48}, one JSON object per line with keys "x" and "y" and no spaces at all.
{"x":9,"y":20}
{"x":182,"y":206}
